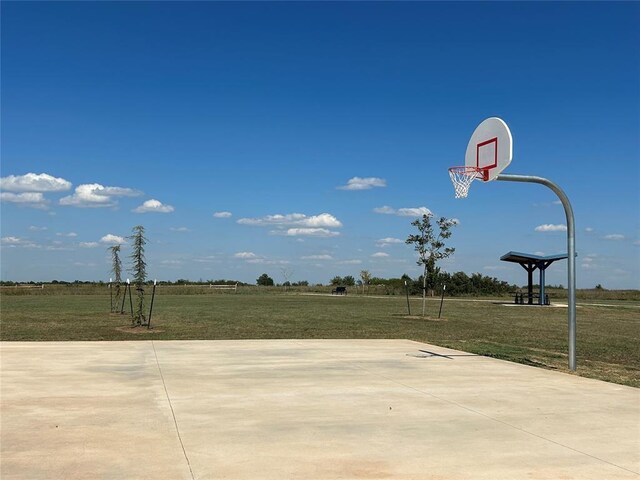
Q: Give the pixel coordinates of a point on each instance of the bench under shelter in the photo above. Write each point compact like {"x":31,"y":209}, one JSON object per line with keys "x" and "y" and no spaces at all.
{"x":530,"y":263}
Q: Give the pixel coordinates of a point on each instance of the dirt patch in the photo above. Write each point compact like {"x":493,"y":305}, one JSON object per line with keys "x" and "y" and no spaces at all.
{"x":139,"y":330}
{"x":420,"y":317}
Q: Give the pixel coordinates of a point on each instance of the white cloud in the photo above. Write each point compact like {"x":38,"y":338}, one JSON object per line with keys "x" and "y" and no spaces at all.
{"x":179,"y":229}
{"x":414,"y":212}
{"x":317,"y":257}
{"x":27,"y":199}
{"x":588,"y":229}
{"x":222,"y":214}
{"x":614,"y":236}
{"x":34,"y":228}
{"x":403,"y":212}
{"x":590,"y":261}
{"x":83,"y":264}
{"x":96,"y":195}
{"x":32,"y":182}
{"x":53,"y":248}
{"x":88,"y":244}
{"x":620,"y":271}
{"x":306,"y":232}
{"x":70,"y":234}
{"x":17,"y":242}
{"x":385,"y":210}
{"x":350,"y":262}
{"x":294,"y":219}
{"x":252,"y":258}
{"x":358,"y":183}
{"x":207,"y":259}
{"x":245,"y":255}
{"x":264,"y":261}
{"x":301,"y":224}
{"x":322,"y":220}
{"x":549,"y":204}
{"x":548,"y":227}
{"x":385,"y":242}
{"x":112,"y":239}
{"x":380,"y":255}
{"x":171,"y":263}
{"x":153,"y":205}
{"x":12,"y":241}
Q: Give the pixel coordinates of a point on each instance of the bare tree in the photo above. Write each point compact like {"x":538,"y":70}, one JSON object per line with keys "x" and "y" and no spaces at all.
{"x":116,"y":269}
{"x":365,"y":275}
{"x":287,"y":273}
{"x":430,"y":248}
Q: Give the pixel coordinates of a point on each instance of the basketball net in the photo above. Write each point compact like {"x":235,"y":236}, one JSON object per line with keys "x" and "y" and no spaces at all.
{"x":461,"y":177}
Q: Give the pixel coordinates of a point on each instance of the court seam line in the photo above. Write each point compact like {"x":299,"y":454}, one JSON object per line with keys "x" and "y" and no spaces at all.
{"x":175,"y":422}
{"x":478,"y":412}
{"x":511,"y":426}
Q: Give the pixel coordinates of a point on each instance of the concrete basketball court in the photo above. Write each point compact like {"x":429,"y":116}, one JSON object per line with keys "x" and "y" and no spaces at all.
{"x":304,"y":409}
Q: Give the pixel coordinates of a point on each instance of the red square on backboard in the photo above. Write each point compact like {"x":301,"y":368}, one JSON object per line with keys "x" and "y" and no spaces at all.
{"x":487,"y":153}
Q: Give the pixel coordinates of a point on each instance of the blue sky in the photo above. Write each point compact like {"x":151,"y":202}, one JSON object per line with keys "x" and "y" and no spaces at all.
{"x":305,"y":137}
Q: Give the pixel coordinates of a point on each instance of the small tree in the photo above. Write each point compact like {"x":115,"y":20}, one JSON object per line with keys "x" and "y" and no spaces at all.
{"x":430,"y":249}
{"x":286,"y":273}
{"x":336,"y":281}
{"x":365,"y":275}
{"x":116,"y":269}
{"x":265,"y":280}
{"x":139,"y":271}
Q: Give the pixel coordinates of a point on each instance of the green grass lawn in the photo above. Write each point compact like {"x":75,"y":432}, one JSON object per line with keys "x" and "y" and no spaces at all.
{"x":608,"y":343}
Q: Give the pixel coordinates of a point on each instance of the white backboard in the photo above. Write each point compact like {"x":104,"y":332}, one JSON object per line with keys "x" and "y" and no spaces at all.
{"x":490,"y":147}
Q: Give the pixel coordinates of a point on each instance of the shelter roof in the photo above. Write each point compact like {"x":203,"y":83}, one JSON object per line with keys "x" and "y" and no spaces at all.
{"x":519,"y":257}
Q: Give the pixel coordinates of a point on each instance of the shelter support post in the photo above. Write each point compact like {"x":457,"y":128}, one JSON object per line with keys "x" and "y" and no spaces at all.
{"x":571,"y":251}
{"x":530,"y":268}
{"x":541,"y":297}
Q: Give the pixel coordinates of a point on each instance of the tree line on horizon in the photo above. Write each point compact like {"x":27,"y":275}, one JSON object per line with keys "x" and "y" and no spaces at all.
{"x":428,"y":243}
{"x":458,"y":283}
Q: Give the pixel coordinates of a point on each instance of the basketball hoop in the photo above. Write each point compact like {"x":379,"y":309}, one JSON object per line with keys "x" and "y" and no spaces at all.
{"x":461,"y":177}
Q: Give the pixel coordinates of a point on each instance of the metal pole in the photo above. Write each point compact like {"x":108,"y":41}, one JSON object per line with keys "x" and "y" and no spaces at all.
{"x":130,"y":299}
{"x":124,"y":297}
{"x":153,"y":294}
{"x":571,"y":251}
{"x":406,"y":288}
{"x":444,"y":287}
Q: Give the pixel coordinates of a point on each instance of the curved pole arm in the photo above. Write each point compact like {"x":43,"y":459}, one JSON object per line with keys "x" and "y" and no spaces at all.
{"x":571,"y":252}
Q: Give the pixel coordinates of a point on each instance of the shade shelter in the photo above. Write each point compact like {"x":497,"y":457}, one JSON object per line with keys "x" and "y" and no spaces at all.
{"x":530,"y":263}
